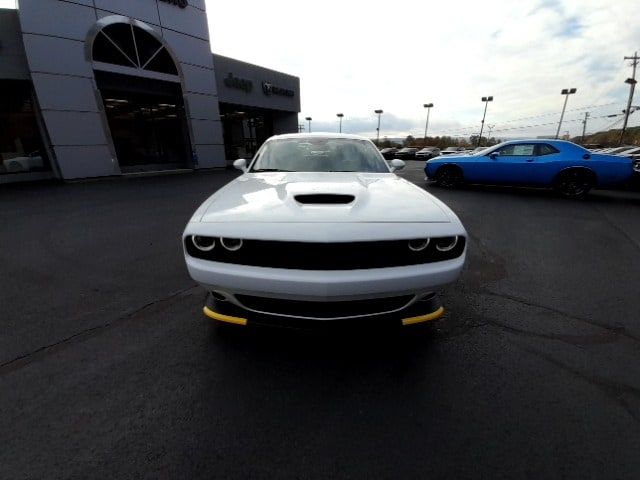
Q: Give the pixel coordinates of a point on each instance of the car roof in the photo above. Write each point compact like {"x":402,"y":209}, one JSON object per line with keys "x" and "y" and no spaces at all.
{"x":549,"y":141}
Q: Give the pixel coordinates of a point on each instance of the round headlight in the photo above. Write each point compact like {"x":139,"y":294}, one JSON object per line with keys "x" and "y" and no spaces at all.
{"x":203,"y":244}
{"x":418,"y":244}
{"x":445,"y":244}
{"x":231,"y":244}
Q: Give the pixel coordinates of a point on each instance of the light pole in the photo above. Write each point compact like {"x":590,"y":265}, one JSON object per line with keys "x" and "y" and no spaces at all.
{"x":340,"y":115}
{"x":566,"y":92}
{"x":308,"y":119}
{"x":426,"y":125}
{"x":378,"y":112}
{"x":486,"y":101}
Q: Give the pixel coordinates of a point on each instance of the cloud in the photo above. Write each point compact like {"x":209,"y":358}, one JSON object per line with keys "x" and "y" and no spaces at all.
{"x":397,"y":56}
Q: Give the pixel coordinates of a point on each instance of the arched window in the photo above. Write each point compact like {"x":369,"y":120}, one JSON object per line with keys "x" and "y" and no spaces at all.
{"x":131,"y":46}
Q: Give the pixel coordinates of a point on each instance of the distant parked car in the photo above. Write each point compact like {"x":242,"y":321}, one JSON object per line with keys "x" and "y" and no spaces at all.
{"x":621,"y":150}
{"x":427,"y":152}
{"x":568,"y":168}
{"x":389,"y":153}
{"x":407,"y":153}
{"x":478,"y":149}
{"x":631,"y":152}
{"x":452,"y":150}
{"x":20,"y":164}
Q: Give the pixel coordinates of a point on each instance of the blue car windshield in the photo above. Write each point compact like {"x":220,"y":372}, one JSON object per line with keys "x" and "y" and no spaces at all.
{"x":306,"y":154}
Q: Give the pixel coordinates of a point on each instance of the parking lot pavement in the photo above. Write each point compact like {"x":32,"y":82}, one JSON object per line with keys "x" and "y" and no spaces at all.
{"x":108,"y":369}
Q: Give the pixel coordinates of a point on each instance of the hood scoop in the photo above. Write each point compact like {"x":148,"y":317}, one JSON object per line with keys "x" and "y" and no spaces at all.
{"x":324,"y":199}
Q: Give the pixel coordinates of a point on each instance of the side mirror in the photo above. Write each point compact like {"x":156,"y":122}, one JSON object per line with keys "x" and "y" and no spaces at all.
{"x":240,"y":164}
{"x":396,"y":164}
{"x":494,"y":155}
{"x":586,"y":156}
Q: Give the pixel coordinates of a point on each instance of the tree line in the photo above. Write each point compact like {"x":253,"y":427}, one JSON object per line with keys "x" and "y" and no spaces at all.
{"x":440,"y":142}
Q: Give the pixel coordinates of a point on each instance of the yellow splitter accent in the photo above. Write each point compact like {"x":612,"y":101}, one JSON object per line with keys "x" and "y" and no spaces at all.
{"x":223,"y":318}
{"x":243,"y":321}
{"x":423,"y":318}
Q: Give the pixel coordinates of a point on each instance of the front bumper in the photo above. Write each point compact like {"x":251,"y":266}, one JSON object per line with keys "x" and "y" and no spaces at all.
{"x":426,"y":309}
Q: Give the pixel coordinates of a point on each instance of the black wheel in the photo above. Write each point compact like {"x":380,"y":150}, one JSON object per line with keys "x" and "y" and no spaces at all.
{"x":448,"y":176}
{"x":574,"y":183}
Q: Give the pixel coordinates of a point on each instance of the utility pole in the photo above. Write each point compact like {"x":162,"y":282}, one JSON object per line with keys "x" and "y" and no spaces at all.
{"x":489,"y":127}
{"x":632,"y":82}
{"x":584,"y":126}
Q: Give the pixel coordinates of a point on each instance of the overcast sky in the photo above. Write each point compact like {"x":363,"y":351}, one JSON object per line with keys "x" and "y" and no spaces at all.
{"x":355,"y":56}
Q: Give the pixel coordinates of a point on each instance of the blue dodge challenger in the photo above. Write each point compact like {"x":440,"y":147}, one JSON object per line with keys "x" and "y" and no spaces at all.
{"x":564,"y":166}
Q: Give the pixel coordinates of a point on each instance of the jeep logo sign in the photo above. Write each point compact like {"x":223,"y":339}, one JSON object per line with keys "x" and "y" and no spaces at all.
{"x":177,"y":3}
{"x":239,"y":83}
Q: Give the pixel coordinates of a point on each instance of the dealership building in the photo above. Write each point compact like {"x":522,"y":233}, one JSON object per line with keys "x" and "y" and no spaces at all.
{"x":92,"y":88}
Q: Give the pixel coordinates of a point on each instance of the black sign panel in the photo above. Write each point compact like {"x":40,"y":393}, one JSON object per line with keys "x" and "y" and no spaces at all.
{"x":177,"y":3}
{"x":240,"y":83}
{"x":271,"y":89}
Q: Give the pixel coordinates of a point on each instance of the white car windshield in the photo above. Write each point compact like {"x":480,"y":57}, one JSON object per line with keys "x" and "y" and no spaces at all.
{"x":306,"y":154}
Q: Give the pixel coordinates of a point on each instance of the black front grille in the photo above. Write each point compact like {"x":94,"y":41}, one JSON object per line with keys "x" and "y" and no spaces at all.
{"x":326,"y":256}
{"x":297,"y":308}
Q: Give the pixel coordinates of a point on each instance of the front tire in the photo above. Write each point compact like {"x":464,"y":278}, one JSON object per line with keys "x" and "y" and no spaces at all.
{"x":574,"y":183}
{"x":448,"y":176}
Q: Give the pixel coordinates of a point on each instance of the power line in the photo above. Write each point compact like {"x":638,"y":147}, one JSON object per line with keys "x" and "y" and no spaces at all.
{"x":471,"y":128}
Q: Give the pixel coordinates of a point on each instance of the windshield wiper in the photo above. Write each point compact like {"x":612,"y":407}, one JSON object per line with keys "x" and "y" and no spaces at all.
{"x":270,"y":170}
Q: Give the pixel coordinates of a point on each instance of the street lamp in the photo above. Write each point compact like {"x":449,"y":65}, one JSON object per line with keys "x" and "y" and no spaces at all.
{"x":378,"y":112}
{"x":566,"y":92}
{"x":486,"y":101}
{"x":308,"y":119}
{"x":340,"y":115}
{"x":426,"y":126}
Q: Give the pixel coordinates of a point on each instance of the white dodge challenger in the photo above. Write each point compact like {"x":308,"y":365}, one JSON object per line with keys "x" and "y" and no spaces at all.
{"x":319,"y":228}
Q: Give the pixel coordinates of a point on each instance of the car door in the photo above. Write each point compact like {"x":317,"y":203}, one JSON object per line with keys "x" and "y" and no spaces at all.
{"x":547,"y":163}
{"x":508,"y":165}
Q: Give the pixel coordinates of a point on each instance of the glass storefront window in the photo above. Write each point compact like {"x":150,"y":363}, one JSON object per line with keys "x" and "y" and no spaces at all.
{"x":21,"y":147}
{"x":244,"y":130}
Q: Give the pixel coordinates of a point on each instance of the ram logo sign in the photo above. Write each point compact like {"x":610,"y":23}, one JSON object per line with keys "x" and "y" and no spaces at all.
{"x":271,"y":89}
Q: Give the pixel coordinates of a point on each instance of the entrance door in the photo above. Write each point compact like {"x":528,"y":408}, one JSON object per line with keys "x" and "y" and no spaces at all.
{"x":147,"y":122}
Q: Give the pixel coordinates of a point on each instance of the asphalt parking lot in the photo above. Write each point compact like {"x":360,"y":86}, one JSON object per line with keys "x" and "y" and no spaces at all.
{"x":109,"y":370}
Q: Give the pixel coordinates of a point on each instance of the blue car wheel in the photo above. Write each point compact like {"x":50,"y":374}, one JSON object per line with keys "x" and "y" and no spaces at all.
{"x":575,"y":183}
{"x":448,"y":176}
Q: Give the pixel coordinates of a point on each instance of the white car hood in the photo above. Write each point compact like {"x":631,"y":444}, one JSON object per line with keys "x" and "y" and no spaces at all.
{"x":270,"y":198}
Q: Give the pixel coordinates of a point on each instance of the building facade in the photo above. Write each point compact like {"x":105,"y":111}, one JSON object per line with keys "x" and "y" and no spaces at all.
{"x":93,"y":88}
